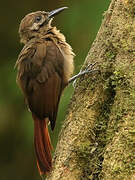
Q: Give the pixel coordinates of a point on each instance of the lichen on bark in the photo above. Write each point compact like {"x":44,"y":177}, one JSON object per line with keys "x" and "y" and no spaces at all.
{"x":97,"y":140}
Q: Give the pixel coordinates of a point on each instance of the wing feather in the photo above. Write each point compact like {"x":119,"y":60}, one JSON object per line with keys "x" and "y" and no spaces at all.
{"x":42,"y":82}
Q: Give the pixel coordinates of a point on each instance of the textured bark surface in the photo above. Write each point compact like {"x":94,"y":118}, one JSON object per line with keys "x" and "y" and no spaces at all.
{"x":97,"y":140}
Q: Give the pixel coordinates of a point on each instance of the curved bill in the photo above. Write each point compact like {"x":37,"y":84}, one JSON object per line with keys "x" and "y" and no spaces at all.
{"x":56,"y":11}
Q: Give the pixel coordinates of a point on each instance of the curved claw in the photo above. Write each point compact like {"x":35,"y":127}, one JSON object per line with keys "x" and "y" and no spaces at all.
{"x":89,"y":69}
{"x":90,"y":66}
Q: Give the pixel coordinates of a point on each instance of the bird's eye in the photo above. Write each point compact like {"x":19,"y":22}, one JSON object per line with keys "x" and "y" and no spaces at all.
{"x":38,"y":18}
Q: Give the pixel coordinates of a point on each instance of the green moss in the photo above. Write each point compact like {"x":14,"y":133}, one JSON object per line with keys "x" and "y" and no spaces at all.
{"x":113,"y":127}
{"x":130,"y":6}
{"x":85,"y":152}
{"x":110,"y":53}
{"x":122,"y":122}
{"x":90,"y":153}
{"x":116,"y":80}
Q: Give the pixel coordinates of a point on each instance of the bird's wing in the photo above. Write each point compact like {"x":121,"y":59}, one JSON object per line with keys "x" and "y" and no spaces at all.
{"x":40,"y":78}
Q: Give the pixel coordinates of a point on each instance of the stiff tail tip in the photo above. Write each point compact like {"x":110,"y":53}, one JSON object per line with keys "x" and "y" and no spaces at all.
{"x":42,"y":145}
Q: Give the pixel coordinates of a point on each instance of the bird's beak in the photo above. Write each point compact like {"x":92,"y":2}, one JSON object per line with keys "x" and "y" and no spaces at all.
{"x":56,"y":11}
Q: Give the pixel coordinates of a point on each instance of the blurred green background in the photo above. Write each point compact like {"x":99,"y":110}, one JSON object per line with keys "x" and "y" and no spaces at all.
{"x":79,"y":24}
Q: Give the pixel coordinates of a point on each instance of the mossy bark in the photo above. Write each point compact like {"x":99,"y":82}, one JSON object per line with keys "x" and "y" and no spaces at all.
{"x":97,"y":140}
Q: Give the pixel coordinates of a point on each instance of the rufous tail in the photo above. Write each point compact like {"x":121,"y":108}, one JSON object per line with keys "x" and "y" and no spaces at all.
{"x":42,"y":145}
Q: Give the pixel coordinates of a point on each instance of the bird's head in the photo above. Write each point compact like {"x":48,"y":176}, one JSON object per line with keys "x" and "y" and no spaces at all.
{"x":36,"y":23}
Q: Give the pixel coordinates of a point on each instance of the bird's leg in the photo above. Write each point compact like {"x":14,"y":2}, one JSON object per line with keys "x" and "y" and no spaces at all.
{"x":42,"y":176}
{"x":89,"y":69}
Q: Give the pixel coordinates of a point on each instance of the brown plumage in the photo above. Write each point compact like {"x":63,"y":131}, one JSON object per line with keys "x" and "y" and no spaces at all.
{"x":44,"y":65}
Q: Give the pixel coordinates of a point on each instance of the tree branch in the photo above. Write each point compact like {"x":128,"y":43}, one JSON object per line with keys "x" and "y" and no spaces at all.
{"x":97,"y":140}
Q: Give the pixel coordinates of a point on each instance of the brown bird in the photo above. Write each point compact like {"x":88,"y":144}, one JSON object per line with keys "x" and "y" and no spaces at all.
{"x":44,"y":65}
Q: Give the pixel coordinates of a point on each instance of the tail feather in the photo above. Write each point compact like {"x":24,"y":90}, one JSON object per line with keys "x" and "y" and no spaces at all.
{"x":42,"y":145}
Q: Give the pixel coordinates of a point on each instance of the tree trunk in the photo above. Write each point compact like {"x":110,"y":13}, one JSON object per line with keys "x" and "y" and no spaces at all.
{"x":97,"y":140}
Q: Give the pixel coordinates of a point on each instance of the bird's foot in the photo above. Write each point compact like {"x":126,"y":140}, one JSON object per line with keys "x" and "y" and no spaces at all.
{"x":42,"y":177}
{"x":89,"y":69}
